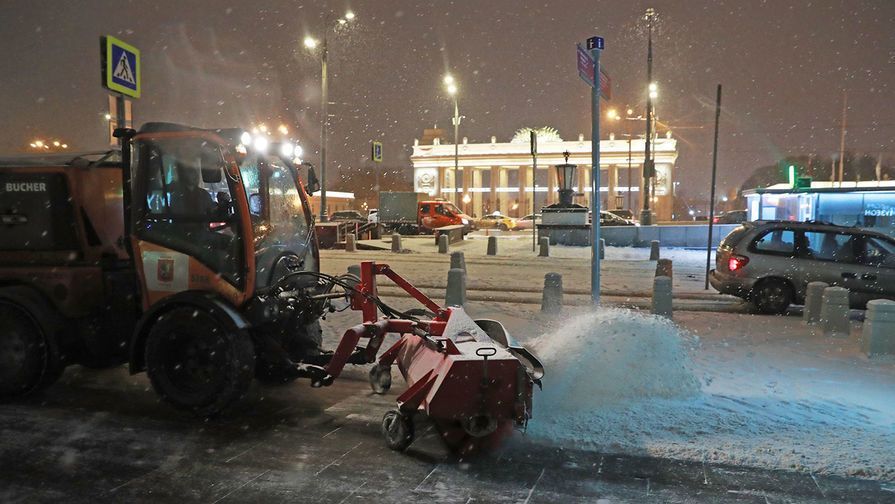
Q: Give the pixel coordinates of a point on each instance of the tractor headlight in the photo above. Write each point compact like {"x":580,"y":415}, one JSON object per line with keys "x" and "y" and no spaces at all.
{"x":287,"y":149}
{"x":260,"y":144}
{"x":465,"y":221}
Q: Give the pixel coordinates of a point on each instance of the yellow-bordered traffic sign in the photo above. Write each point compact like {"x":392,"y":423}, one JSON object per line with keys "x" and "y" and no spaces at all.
{"x":121,"y":67}
{"x":377,"y":152}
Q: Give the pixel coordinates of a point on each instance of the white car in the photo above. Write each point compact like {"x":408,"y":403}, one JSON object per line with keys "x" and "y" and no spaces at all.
{"x":373,"y":216}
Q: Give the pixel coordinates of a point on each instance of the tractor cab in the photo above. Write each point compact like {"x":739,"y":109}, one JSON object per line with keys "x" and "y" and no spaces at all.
{"x":220,"y":222}
{"x":212,"y":211}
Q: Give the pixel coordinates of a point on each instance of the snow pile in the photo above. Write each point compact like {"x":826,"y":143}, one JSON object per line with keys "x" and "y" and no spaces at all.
{"x":610,"y":356}
{"x":621,"y":382}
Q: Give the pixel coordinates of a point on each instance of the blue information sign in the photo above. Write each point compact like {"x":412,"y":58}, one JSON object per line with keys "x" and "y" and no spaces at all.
{"x":595,"y":43}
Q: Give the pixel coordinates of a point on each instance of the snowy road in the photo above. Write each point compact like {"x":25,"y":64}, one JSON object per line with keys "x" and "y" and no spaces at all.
{"x":721,"y":407}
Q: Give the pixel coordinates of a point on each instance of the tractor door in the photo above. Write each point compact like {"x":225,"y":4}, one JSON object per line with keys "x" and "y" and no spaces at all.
{"x":282,"y":222}
{"x":189,"y":211}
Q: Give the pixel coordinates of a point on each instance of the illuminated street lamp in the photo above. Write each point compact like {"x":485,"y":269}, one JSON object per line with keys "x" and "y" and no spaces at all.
{"x":450,"y":85}
{"x":312,"y":43}
{"x":649,"y":167}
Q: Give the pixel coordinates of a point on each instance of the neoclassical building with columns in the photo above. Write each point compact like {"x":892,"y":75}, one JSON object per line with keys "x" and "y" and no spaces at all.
{"x":498,"y":176}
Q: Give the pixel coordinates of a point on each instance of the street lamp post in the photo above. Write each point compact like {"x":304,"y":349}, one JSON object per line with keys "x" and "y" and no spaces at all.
{"x":646,"y":215}
{"x":613,"y":115}
{"x":451,"y":87}
{"x":311,"y":43}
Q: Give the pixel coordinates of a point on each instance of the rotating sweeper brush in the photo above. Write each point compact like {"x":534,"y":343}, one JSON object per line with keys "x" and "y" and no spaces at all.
{"x":469,"y":377}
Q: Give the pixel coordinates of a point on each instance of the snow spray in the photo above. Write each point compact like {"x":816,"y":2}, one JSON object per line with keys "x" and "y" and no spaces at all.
{"x":612,"y":356}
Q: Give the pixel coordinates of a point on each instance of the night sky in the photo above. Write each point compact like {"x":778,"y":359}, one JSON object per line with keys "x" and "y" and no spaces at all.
{"x":220,"y":63}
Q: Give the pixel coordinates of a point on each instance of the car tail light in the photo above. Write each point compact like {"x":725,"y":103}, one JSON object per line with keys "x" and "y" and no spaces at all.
{"x":737,"y":262}
{"x":715,"y":220}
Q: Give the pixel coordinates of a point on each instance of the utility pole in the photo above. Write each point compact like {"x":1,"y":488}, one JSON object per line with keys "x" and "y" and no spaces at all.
{"x":324,"y":126}
{"x":630,"y":181}
{"x":456,"y":197}
{"x":708,"y":247}
{"x":646,"y":215}
{"x":533,"y":140}
{"x":842,"y":138}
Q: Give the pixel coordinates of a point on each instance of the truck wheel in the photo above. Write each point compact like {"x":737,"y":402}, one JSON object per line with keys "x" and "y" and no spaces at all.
{"x":196,"y":363}
{"x":772,"y":296}
{"x":29,"y":359}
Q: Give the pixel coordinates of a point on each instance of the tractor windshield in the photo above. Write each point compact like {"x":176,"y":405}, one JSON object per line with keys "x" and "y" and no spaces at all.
{"x":281,"y":216}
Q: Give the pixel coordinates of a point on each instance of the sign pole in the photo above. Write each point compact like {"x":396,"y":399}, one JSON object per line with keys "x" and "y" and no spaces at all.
{"x":120,"y":118}
{"x":595,"y":45}
{"x":376,"y":157}
{"x":708,"y":246}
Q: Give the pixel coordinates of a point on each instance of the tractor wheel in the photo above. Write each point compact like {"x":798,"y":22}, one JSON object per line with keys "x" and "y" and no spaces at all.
{"x":196,"y":363}
{"x":380,"y":379}
{"x":29,"y":359}
{"x":772,"y":296}
{"x":398,"y":430}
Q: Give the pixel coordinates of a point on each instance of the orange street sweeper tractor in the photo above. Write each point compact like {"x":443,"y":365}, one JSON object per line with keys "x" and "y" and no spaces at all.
{"x":191,"y":255}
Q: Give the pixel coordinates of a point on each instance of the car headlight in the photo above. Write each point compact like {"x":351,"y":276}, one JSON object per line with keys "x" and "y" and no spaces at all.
{"x":464,"y":221}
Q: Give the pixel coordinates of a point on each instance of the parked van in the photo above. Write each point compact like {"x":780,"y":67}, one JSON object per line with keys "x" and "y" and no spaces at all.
{"x":771,"y":262}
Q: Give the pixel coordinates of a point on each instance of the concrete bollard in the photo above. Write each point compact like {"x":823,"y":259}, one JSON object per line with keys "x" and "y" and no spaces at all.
{"x":396,"y":243}
{"x":551,"y":299}
{"x":834,"y":312}
{"x":443,"y":244}
{"x":349,"y":243}
{"x":662,"y":297}
{"x":602,"y":248}
{"x":458,"y":260}
{"x":492,"y":245}
{"x":544,"y":247}
{"x":456,"y":288}
{"x":878,"y":334}
{"x":664,"y":267}
{"x":654,"y":250}
{"x":813,"y":300}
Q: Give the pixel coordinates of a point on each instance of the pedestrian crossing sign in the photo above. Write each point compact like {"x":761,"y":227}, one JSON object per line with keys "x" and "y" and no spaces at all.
{"x":121,"y":67}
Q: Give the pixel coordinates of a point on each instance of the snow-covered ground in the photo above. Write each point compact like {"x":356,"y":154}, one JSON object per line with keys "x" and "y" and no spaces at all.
{"x":739,"y":389}
{"x":755,"y":390}
{"x":519,"y":244}
{"x":626,"y":271}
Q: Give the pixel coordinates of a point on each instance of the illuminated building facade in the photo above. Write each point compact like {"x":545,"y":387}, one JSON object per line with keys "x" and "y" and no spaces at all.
{"x":499,"y":176}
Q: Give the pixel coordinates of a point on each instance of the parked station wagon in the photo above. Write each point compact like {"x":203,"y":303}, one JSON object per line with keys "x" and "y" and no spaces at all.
{"x":771,"y":262}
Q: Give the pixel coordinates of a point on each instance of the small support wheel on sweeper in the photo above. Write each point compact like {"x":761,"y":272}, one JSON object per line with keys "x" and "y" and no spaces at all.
{"x":380,"y":378}
{"x":397,"y":428}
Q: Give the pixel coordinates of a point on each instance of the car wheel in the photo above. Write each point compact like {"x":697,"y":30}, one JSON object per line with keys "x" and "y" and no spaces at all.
{"x":196,"y":363}
{"x":503,"y":227}
{"x":772,"y":296}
